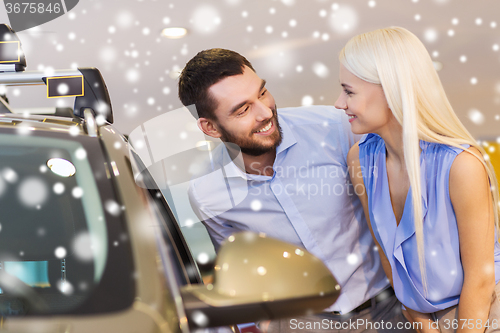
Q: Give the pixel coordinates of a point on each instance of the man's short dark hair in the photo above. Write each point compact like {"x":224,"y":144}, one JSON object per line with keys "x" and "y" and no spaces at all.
{"x":204,"y":70}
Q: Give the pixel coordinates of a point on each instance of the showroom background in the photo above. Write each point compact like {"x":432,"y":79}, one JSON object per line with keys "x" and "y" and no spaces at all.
{"x":293,"y":44}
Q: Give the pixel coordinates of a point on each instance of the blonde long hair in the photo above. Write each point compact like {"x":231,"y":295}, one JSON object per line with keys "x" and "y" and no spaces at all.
{"x":398,"y":61}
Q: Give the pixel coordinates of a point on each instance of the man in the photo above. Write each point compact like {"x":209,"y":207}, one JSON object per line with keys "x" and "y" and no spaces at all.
{"x":284,"y":174}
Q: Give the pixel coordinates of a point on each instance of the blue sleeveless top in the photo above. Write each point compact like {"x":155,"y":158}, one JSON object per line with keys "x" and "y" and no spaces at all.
{"x":399,"y":243}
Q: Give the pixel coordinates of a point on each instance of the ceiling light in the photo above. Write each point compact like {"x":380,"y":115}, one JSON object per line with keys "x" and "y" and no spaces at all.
{"x":437,"y":65}
{"x":61,"y":167}
{"x":174,"y":32}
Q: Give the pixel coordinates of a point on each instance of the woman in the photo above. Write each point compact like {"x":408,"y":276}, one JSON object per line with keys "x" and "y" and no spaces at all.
{"x":425,"y":184}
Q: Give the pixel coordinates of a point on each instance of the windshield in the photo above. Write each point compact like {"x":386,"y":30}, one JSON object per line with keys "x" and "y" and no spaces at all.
{"x":56,"y":204}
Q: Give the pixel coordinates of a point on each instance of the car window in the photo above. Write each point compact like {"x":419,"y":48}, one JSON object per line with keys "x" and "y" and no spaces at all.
{"x":56,"y":244}
{"x":173,"y":163}
{"x":40,"y":221}
{"x":171,"y":233}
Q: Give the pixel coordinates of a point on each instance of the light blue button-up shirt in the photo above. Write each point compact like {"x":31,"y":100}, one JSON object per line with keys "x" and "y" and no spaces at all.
{"x":308,"y":201}
{"x":441,"y":242}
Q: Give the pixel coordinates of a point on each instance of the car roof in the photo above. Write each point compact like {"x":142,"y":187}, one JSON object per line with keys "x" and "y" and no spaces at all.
{"x":39,"y":121}
{"x":42,"y":122}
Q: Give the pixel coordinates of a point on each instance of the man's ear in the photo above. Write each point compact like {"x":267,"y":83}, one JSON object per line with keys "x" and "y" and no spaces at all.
{"x":208,"y":127}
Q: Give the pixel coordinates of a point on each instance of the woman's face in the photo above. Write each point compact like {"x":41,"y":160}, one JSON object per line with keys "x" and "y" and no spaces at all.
{"x":364,"y":103}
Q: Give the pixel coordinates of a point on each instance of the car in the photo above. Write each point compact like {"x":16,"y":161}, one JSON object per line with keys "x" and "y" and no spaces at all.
{"x":88,"y":242}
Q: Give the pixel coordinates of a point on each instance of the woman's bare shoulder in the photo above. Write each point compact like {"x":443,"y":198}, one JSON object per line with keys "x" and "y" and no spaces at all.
{"x":353,"y":155}
{"x":467,"y":167}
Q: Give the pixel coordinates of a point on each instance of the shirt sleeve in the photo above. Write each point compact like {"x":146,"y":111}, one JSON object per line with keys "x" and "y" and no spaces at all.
{"x":217,"y":229}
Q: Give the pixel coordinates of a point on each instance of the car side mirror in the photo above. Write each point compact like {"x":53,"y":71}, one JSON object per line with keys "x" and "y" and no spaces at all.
{"x":258,"y":278}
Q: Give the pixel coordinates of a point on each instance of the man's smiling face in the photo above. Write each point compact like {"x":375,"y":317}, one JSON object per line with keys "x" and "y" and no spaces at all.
{"x":246,"y":113}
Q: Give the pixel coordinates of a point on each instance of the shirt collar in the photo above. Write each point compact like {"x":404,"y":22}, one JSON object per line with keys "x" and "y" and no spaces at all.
{"x":230,"y":167}
{"x":368,"y":137}
{"x":288,"y":137}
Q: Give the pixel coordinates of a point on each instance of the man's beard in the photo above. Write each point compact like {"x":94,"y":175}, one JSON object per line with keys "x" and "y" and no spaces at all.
{"x":248,"y":145}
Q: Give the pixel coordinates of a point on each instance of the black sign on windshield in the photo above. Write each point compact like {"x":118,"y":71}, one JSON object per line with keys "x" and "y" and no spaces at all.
{"x":65,"y":86}
{"x":9,"y":51}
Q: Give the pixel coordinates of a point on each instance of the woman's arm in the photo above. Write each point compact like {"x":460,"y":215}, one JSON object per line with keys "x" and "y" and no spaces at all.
{"x":356,"y":174}
{"x":471,"y":200}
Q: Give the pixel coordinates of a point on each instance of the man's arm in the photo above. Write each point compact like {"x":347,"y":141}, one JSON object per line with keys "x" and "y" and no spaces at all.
{"x":216,"y":228}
